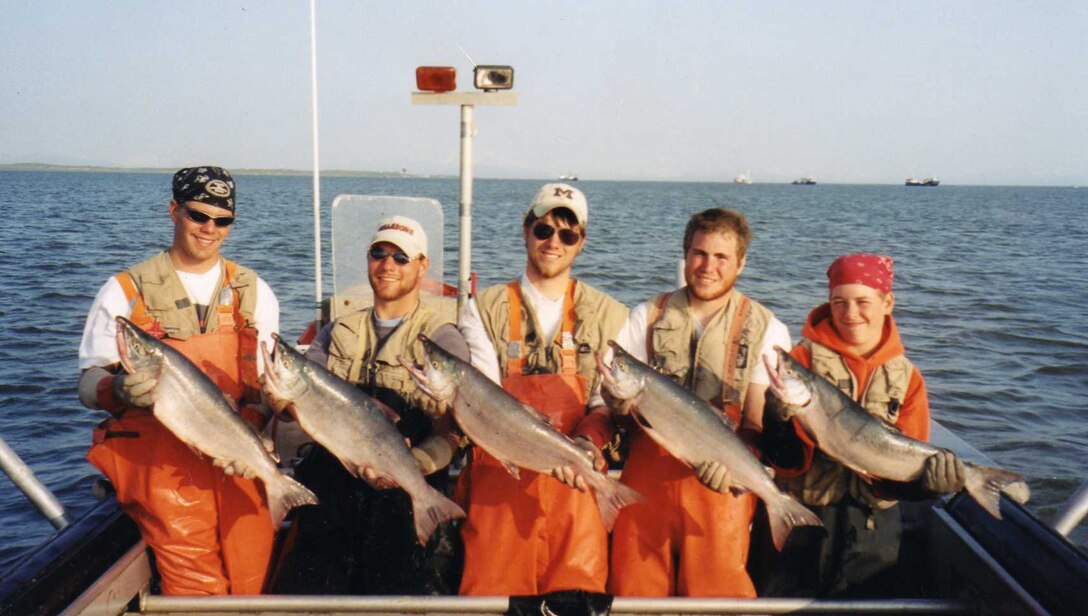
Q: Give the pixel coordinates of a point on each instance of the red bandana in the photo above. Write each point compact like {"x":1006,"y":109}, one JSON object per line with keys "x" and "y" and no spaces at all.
{"x":873,"y":271}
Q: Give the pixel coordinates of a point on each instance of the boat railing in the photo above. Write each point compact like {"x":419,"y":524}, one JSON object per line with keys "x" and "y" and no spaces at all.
{"x":269,"y":604}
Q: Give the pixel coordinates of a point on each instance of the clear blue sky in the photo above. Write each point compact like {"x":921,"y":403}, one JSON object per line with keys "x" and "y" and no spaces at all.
{"x":988,"y":92}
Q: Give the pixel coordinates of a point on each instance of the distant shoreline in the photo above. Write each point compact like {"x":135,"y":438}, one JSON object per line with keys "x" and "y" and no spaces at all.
{"x":243,"y":171}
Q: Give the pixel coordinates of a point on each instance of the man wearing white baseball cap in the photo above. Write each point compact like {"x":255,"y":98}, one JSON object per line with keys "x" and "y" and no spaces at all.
{"x":359,"y":525}
{"x":533,"y":535}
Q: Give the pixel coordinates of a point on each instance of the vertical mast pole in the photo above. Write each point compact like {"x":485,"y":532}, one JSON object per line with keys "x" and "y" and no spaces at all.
{"x":464,"y":268}
{"x":317,"y":173}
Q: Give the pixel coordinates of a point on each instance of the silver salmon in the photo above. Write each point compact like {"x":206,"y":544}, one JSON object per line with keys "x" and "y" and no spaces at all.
{"x":190,"y":405}
{"x":695,"y":432}
{"x":848,"y":434}
{"x":355,"y":428}
{"x":516,"y":434}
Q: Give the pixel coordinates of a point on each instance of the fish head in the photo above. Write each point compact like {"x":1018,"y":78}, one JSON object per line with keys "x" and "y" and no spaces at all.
{"x":791,"y":384}
{"x":440,"y":373}
{"x":138,"y":349}
{"x":625,"y":378}
{"x":284,"y":369}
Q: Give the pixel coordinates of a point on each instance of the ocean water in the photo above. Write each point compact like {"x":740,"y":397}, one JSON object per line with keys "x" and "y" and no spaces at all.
{"x":990,"y":288}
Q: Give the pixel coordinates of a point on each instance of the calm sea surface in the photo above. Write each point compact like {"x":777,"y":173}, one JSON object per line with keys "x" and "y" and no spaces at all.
{"x":991,"y":285}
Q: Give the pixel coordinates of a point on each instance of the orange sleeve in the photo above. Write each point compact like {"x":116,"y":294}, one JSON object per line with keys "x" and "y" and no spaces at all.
{"x":914,"y":414}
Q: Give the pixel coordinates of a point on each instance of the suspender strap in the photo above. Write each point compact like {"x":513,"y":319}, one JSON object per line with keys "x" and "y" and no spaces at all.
{"x":232,"y":310}
{"x":138,"y":310}
{"x":732,"y":340}
{"x":515,"y":347}
{"x":568,"y":351}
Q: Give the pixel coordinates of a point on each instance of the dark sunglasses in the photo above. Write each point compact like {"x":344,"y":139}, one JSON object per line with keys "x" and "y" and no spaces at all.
{"x":543,"y":232}
{"x":201,"y":218}
{"x":379,"y":254}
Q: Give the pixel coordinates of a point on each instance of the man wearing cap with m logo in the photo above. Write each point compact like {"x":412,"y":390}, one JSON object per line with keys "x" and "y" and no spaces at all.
{"x":209,"y":528}
{"x":537,"y":337}
{"x":361,"y":539}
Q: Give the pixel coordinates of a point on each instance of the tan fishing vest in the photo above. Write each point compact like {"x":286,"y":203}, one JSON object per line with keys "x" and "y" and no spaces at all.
{"x":166,"y":300}
{"x":718,"y":366}
{"x":828,"y":481}
{"x":598,"y":319}
{"x":353,"y":340}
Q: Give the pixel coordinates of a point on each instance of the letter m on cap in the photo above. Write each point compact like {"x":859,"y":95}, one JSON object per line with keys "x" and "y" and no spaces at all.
{"x":562,"y":192}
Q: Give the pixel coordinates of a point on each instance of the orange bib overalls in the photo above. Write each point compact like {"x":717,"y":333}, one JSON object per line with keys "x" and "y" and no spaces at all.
{"x":533,"y":535}
{"x":211,"y":533}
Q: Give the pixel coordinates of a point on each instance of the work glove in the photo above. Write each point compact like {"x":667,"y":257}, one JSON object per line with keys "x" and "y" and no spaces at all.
{"x":714,"y":476}
{"x":237,"y":468}
{"x":944,"y":473}
{"x":620,"y":407}
{"x":280,"y":407}
{"x":567,"y":475}
{"x":433,"y":453}
{"x":135,"y":389}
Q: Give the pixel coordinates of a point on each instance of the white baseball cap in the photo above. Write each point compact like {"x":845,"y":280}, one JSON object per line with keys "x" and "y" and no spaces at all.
{"x":551,"y":196}
{"x":402,"y":232}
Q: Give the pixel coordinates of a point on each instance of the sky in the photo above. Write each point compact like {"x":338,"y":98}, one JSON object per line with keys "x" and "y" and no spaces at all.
{"x":991,"y":92}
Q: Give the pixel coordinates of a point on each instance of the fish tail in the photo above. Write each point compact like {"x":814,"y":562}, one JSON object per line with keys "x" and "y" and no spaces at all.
{"x":284,"y":494}
{"x":986,"y":483}
{"x":430,"y":509}
{"x":612,"y":496}
{"x":785,"y":513}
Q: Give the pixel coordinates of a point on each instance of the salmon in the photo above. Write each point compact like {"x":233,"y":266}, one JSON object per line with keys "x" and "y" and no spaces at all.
{"x":848,"y":434}
{"x":516,"y":434}
{"x":695,"y":432}
{"x":196,"y":411}
{"x":357,"y":429}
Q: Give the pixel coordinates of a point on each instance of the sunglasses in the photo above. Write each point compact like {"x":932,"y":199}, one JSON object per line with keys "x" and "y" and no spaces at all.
{"x":201,"y":218}
{"x":543,"y":232}
{"x":399,"y":257}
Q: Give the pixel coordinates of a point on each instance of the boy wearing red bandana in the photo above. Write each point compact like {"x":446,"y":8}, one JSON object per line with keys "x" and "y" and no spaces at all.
{"x":851,"y":340}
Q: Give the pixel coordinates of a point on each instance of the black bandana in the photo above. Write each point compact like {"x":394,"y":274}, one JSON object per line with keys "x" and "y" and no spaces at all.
{"x":210,"y":185}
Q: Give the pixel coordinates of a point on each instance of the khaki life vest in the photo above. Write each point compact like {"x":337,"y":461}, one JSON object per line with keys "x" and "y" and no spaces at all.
{"x":597,"y":320}
{"x":717,"y":366}
{"x":827,"y":481}
{"x":160,"y":297}
{"x":355,"y":354}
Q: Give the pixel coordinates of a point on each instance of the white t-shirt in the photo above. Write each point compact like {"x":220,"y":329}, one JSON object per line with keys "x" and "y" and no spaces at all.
{"x":549,"y":315}
{"x":99,"y":344}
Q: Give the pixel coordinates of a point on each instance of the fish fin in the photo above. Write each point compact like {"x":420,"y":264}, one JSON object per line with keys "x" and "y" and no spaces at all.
{"x":986,"y":483}
{"x":284,"y":494}
{"x":611,"y":496}
{"x":430,"y":509}
{"x":511,"y":468}
{"x":387,"y":411}
{"x":785,"y":513}
{"x":536,"y":413}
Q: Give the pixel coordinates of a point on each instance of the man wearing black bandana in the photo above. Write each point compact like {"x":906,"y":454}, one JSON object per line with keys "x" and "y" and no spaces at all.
{"x":208,"y":527}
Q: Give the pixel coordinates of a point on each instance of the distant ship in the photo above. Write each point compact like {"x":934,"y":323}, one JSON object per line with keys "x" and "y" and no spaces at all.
{"x":569,"y":177}
{"x":742,"y":178}
{"x":805,"y":181}
{"x":933,"y":181}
